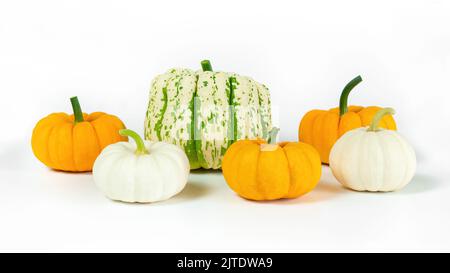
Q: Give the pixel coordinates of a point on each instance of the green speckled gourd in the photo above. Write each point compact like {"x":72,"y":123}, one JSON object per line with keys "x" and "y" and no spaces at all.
{"x":205,"y":111}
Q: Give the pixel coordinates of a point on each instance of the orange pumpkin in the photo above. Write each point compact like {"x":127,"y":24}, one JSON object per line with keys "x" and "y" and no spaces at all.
{"x":73,"y":142}
{"x":258,"y":170}
{"x":321,"y":128}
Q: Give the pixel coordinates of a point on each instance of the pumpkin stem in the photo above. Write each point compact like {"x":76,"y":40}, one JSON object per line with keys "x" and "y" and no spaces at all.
{"x":206,"y":65}
{"x":273,"y":135}
{"x":140,"y":150}
{"x":343,"y":101}
{"x":378,"y":116}
{"x":77,"y":113}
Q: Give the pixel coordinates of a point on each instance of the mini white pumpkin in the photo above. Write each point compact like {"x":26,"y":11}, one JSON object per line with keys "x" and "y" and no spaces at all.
{"x":372,"y":158}
{"x":143,"y":172}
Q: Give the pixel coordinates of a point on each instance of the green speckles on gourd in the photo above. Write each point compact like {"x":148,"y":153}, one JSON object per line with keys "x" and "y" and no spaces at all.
{"x":177,"y":85}
{"x":158,"y":124}
{"x":232,"y":119}
{"x":264,"y":107}
{"x":190,"y":147}
{"x":213,"y":112}
{"x":205,"y":112}
{"x":155,"y":105}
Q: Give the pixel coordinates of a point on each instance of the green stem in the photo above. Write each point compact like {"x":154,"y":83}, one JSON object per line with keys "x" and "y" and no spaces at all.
{"x":77,"y":113}
{"x":273,"y":135}
{"x":343,"y":101}
{"x":206,"y":65}
{"x":139,"y":142}
{"x":378,"y":116}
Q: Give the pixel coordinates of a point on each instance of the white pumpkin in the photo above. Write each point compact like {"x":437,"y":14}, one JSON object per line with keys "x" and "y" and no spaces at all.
{"x":373,"y":159}
{"x":142,"y":172}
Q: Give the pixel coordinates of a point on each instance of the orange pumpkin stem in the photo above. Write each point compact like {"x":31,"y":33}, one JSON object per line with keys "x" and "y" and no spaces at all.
{"x":378,"y":116}
{"x":77,"y":113}
{"x":343,"y":100}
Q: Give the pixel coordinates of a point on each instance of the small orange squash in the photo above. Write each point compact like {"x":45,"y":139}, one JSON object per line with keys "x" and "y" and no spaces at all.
{"x":258,"y":170}
{"x":73,"y":142}
{"x":322,"y":128}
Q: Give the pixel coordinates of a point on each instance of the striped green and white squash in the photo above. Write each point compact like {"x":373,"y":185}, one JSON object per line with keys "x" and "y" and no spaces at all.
{"x":205,"y":111}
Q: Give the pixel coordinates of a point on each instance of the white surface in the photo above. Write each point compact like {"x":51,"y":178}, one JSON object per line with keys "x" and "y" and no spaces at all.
{"x":107,"y":52}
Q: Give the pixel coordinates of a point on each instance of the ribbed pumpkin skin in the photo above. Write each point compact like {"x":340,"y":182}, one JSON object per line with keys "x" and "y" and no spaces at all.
{"x":373,"y":161}
{"x":322,"y":128}
{"x":62,"y":145}
{"x":122,"y":175}
{"x":291,"y":170}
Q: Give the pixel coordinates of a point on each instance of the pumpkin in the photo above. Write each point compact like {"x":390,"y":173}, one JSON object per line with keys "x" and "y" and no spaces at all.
{"x":73,"y":142}
{"x":321,"y":128}
{"x":142,"y":172}
{"x":204,"y":112}
{"x":372,"y":158}
{"x":260,"y":170}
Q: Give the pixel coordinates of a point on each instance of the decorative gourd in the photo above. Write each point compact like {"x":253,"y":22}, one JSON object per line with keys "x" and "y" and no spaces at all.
{"x":204,"y":112}
{"x":373,"y":159}
{"x":321,"y":128}
{"x":258,"y":170}
{"x":142,"y":172}
{"x":73,"y":142}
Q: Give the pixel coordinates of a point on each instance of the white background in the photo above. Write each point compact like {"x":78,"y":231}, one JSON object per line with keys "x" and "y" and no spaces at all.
{"x":107,"y":52}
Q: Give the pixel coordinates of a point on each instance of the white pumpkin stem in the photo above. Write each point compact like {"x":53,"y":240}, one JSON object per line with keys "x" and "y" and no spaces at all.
{"x":378,"y":116}
{"x":140,"y":150}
